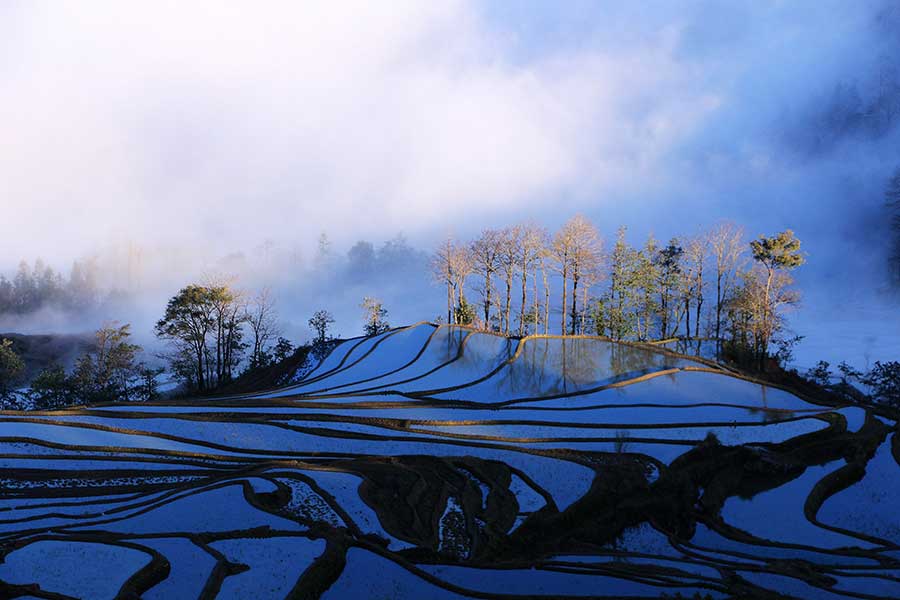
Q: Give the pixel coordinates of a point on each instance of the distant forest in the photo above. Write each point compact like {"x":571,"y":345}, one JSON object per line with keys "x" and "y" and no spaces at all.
{"x":39,"y":286}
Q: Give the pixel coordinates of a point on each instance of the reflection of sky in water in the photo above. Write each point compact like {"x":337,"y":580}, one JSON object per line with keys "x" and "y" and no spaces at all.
{"x":777,"y":514}
{"x":482,"y":353}
{"x":871,"y":502}
{"x":392,"y":352}
{"x":547,"y":366}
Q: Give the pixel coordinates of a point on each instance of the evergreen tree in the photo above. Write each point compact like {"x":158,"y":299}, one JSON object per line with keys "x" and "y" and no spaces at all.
{"x":11,"y":369}
{"x":106,"y":374}
{"x":668,"y":270}
{"x":615,"y":312}
{"x":374,"y":315}
{"x":465,"y":312}
{"x":283,"y":349}
{"x":320,"y":322}
{"x":51,"y":389}
{"x":646,"y":285}
{"x":24,"y":289}
{"x":778,"y":255}
{"x":7,"y":296}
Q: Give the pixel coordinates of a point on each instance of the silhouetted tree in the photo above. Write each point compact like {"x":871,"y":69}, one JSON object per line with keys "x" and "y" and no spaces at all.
{"x":361,"y":259}
{"x":262,"y":318}
{"x":283,"y":349}
{"x":320,"y":322}
{"x":188,"y":323}
{"x":106,"y":373}
{"x":51,"y":389}
{"x":147,"y":388}
{"x":11,"y":369}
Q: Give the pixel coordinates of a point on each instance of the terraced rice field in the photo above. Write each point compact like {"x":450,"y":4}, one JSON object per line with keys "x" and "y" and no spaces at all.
{"x":438,"y":462}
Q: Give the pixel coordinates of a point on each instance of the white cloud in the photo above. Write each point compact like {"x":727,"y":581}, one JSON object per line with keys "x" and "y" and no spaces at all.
{"x":220,"y":123}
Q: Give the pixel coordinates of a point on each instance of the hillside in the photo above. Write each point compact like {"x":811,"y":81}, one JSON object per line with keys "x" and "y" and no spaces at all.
{"x":442,"y":462}
{"x":43,"y":350}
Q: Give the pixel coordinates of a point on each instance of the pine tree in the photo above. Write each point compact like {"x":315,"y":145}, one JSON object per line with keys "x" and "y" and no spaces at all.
{"x":375,"y":315}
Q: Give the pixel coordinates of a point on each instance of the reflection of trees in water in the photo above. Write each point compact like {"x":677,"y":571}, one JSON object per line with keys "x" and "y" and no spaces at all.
{"x":630,"y":359}
{"x":566,"y":365}
{"x":484,"y":351}
{"x":453,"y":341}
{"x":702,"y":348}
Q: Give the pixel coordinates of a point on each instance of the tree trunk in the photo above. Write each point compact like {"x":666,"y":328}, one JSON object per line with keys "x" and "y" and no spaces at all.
{"x":200,"y":382}
{"x":524,"y":299}
{"x":687,"y":316}
{"x":718,"y":307}
{"x":537,"y":316}
{"x":546,"y":299}
{"x":664,"y":310}
{"x":508,"y":301}
{"x":565,"y":284}
{"x":487,"y":301}
{"x":697,"y":319}
{"x":449,"y":301}
{"x":584,"y":307}
{"x":699,"y":300}
{"x":574,"y":315}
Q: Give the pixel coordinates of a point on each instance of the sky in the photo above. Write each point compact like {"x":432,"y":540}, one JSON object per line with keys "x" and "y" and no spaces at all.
{"x":210,"y":127}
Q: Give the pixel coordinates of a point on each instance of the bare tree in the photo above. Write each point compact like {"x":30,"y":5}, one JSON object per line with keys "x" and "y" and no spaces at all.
{"x":727,"y":243}
{"x":451,"y":265}
{"x":262,"y":317}
{"x":575,"y":250}
{"x":696,"y":251}
{"x":560,"y":253}
{"x":757,"y":305}
{"x":510,"y":247}
{"x":587,"y":251}
{"x":485,"y":252}
{"x":532,"y":243}
{"x":442,"y":271}
{"x":462,"y":266}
